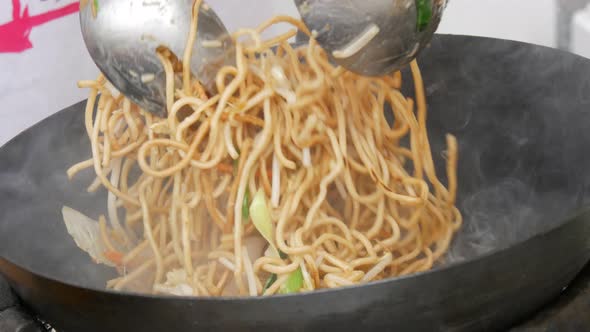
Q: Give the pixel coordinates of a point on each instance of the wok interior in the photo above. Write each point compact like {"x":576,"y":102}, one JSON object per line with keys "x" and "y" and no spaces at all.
{"x":519,"y":112}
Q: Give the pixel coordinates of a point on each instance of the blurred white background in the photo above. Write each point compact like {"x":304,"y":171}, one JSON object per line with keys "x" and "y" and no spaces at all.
{"x":38,"y":81}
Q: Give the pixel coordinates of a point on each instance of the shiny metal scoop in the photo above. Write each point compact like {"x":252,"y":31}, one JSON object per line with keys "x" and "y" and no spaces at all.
{"x":122,"y":37}
{"x":372,"y":37}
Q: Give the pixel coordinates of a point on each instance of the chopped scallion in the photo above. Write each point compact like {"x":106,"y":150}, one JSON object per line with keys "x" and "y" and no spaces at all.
{"x":282,"y":255}
{"x":260,"y":215}
{"x":245,"y":207}
{"x":271,"y":280}
{"x":424,"y":11}
{"x":293,"y":284}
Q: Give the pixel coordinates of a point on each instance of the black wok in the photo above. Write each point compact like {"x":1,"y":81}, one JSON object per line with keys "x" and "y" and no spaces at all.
{"x":522,"y":117}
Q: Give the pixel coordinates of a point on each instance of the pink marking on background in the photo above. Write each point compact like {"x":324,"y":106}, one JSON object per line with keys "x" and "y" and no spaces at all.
{"x":14,"y":35}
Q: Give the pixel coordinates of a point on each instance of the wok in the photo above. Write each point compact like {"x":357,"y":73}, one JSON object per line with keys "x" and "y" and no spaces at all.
{"x":521,"y":114}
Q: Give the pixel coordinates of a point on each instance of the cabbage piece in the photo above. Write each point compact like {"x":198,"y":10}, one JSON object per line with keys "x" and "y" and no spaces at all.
{"x":178,"y":290}
{"x":176,"y":284}
{"x":86,"y":233}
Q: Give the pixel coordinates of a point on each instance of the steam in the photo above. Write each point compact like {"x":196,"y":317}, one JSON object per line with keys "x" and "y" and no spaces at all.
{"x":33,"y":188}
{"x":506,"y":213}
{"x":494,"y":217}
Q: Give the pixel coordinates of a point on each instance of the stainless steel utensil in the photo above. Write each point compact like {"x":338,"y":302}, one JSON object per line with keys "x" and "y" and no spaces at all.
{"x":372,"y":37}
{"x":122,"y":37}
